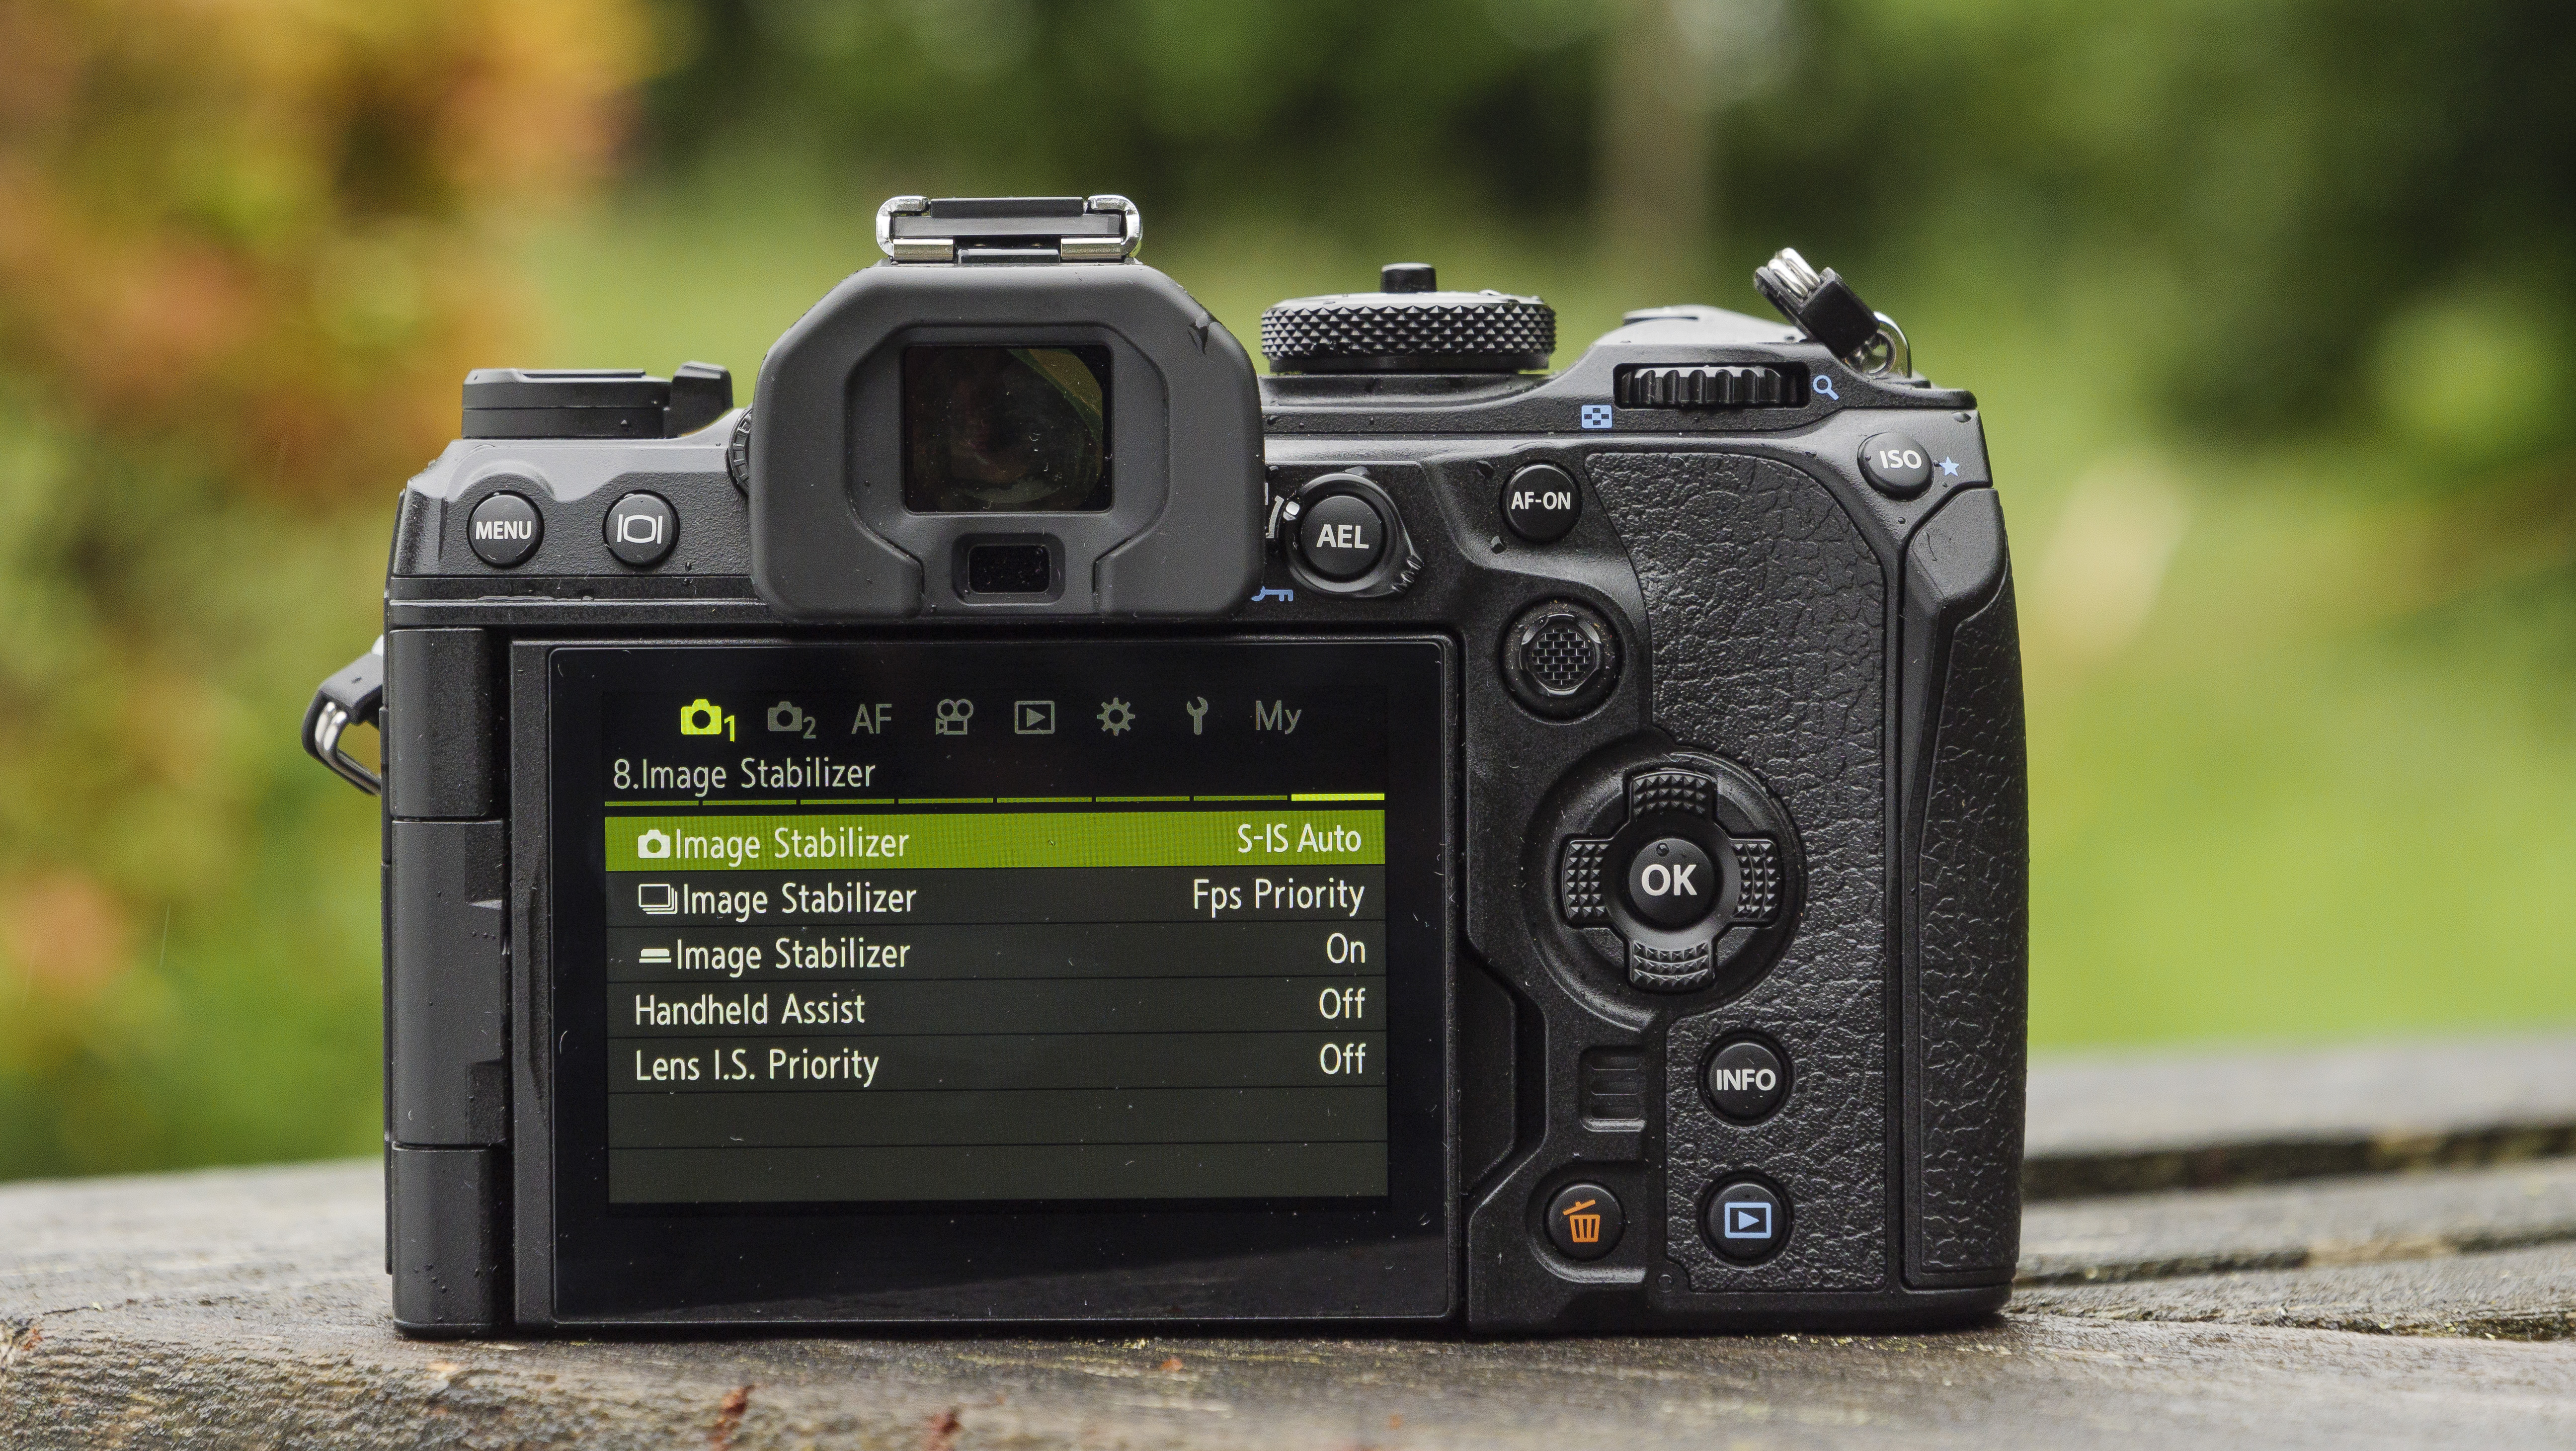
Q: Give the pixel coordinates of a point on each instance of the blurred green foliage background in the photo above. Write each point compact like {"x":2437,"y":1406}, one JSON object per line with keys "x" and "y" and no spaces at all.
{"x":2269,"y":304}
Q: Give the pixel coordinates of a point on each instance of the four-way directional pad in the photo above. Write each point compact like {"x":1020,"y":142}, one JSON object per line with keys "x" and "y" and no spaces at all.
{"x":1687,"y":871}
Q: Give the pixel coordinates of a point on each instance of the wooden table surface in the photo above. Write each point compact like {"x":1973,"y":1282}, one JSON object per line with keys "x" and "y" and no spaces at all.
{"x":2369,"y":1246}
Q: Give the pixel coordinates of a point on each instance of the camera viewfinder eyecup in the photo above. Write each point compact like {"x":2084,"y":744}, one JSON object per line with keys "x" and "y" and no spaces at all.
{"x":1148,"y":476}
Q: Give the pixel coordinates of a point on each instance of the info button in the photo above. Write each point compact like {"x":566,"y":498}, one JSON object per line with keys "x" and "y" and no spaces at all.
{"x":1746,"y":1080}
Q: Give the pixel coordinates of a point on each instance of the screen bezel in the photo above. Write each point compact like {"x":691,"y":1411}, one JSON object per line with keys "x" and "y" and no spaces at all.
{"x":1211,"y":1260}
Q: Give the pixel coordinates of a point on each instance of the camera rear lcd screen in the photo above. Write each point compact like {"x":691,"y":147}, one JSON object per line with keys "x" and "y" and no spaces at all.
{"x":1019,"y":430}
{"x":969,"y":922}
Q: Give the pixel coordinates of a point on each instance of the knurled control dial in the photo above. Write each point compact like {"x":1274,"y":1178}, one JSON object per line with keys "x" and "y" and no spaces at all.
{"x":1743,"y":385}
{"x":1409,"y":327}
{"x":1683,"y":877}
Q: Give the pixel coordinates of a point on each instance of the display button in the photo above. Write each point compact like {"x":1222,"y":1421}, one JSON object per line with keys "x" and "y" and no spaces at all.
{"x":1540,"y":503}
{"x":1896,"y":464}
{"x":1746,"y":1080}
{"x":1746,"y":1221}
{"x":504,"y":530}
{"x":1342,"y":536}
{"x":641,"y":529}
{"x":1584,"y":1222}
{"x":1671,"y":882}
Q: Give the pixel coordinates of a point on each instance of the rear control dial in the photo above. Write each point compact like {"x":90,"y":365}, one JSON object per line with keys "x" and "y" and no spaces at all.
{"x":1716,"y":386}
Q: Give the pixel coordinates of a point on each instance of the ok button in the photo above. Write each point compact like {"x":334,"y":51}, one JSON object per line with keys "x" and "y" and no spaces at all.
{"x":1671,"y":882}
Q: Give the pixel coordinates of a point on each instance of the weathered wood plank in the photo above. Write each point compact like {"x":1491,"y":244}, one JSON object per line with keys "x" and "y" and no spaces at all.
{"x":247,"y":1306}
{"x":2316,"y":1222}
{"x":2524,"y":1294}
{"x":2134,"y":1122}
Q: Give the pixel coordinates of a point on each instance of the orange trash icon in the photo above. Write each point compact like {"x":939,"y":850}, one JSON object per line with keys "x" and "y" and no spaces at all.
{"x":1585,"y":1228}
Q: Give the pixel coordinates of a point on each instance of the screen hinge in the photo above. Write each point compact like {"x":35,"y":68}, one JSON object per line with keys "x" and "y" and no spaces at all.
{"x":1010,"y":229}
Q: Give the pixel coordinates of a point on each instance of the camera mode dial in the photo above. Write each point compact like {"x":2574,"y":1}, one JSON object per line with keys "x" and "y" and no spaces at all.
{"x":1409,"y":326}
{"x":1687,"y":875}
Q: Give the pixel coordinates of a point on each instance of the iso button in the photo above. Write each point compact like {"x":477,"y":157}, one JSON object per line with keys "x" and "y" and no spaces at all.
{"x":1896,"y":464}
{"x":504,"y":530}
{"x":1540,"y":504}
{"x":1341,"y":536}
{"x":641,"y":529}
{"x":1746,"y":1081}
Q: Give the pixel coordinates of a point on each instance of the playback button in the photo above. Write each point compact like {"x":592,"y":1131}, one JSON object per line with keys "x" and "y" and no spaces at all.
{"x":1747,"y":1221}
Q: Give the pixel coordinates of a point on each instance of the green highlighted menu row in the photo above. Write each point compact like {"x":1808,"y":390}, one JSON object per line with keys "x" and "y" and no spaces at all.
{"x":947,"y":840}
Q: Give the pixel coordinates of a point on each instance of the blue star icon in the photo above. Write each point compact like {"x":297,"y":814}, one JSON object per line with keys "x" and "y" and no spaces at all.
{"x":1950,"y":467}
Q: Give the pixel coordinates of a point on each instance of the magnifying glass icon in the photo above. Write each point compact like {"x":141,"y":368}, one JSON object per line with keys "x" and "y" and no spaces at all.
{"x":1825,"y":386}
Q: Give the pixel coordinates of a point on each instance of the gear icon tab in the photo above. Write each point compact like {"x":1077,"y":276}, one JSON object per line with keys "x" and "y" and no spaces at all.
{"x":1116,"y":716}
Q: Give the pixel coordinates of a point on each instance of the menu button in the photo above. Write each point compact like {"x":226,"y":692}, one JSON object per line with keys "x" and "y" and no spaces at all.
{"x":504,"y":530}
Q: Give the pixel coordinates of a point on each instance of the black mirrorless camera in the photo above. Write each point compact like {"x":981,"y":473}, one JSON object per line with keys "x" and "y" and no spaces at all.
{"x":1032,"y":823}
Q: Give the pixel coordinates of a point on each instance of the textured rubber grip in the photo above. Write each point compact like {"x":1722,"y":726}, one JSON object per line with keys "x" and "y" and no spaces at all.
{"x":1968,"y":967}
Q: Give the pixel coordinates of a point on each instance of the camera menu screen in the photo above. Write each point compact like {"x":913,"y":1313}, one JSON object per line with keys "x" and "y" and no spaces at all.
{"x":967,"y":922}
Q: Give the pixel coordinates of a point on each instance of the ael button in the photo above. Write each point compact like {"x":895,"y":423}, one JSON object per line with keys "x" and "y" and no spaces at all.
{"x":1540,"y":504}
{"x":504,"y":530}
{"x":1342,"y":536}
{"x":1584,"y":1221}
